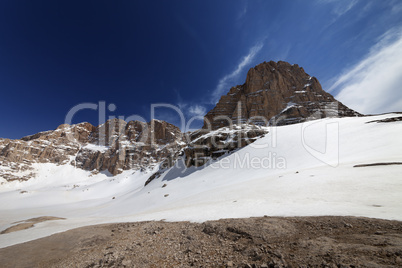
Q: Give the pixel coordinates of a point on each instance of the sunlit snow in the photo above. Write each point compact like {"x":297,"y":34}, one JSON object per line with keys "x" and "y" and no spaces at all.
{"x":296,"y":170}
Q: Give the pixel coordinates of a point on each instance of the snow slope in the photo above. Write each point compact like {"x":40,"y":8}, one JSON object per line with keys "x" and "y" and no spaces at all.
{"x":297,"y":170}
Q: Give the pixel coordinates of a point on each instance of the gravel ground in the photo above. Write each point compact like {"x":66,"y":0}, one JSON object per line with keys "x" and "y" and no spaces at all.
{"x":252,"y":242}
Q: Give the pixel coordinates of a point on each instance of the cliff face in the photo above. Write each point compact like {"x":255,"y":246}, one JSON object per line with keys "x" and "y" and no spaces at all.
{"x":276,"y":93}
{"x":117,"y":146}
{"x":114,"y":146}
{"x":57,"y":146}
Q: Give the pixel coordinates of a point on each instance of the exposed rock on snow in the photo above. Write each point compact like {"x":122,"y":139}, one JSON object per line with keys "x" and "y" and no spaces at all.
{"x":378,"y":164}
{"x":206,"y":146}
{"x":214,"y":144}
{"x":387,"y":120}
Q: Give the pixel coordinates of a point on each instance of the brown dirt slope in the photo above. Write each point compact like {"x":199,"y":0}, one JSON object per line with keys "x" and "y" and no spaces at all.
{"x":252,"y":242}
{"x":22,"y":225}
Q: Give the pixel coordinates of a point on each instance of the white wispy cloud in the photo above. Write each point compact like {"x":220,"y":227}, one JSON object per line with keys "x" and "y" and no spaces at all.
{"x":189,"y":108}
{"x":228,"y":80}
{"x":340,"y":7}
{"x":344,"y":6}
{"x":197,"y":110}
{"x":374,"y":84}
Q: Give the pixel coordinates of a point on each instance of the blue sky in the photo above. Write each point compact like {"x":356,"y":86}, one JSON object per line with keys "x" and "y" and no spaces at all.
{"x":55,"y":55}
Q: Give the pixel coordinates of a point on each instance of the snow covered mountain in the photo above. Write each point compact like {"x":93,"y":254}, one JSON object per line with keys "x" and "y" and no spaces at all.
{"x":293,"y":170}
{"x":311,"y":156}
{"x":273,"y":94}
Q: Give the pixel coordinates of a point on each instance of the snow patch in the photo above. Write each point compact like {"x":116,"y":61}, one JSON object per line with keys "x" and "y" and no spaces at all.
{"x":94,"y":147}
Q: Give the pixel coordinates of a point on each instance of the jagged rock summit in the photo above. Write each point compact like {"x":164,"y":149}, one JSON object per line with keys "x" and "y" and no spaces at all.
{"x":277,"y":93}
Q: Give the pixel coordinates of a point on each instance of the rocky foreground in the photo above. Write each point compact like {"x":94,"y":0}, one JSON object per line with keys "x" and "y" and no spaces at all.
{"x":252,"y":242}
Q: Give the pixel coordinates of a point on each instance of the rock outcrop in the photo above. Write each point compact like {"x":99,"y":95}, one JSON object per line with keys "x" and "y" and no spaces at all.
{"x":114,"y":146}
{"x":210,"y":146}
{"x":278,"y":94}
{"x":207,"y":146}
{"x":57,"y":146}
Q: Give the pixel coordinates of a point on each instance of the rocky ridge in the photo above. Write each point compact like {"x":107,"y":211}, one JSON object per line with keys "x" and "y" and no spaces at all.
{"x":117,"y":146}
{"x":275,"y":93}
{"x":113,"y":147}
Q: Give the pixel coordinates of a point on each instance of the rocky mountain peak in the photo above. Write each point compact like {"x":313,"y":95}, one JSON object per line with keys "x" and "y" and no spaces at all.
{"x":275,"y":93}
{"x":275,"y":75}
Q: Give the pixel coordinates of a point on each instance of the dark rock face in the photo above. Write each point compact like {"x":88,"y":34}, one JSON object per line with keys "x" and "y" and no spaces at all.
{"x":275,"y":93}
{"x":214,"y":144}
